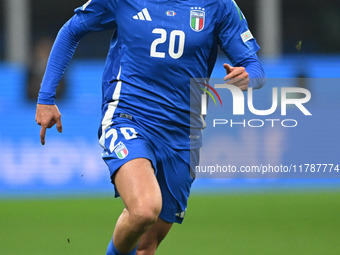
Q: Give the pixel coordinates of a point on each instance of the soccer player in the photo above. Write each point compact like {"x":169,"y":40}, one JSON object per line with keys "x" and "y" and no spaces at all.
{"x":150,"y":131}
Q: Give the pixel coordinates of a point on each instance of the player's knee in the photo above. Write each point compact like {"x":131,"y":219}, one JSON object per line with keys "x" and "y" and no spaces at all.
{"x":146,"y":216}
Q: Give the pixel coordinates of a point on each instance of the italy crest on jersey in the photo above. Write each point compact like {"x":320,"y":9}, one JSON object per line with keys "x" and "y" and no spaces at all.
{"x":121,"y":150}
{"x":197,"y":19}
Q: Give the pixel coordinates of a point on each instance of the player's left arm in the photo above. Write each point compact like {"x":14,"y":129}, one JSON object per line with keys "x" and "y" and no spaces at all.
{"x":237,"y":42}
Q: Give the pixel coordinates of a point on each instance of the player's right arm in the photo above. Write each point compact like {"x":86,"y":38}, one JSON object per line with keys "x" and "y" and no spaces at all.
{"x":95,"y":15}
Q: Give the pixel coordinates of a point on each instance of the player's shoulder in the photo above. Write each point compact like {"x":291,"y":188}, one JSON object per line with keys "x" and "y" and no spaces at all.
{"x":225,"y":6}
{"x":225,"y":3}
{"x":95,"y":4}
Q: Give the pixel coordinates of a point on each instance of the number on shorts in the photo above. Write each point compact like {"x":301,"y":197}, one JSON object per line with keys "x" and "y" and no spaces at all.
{"x":128,"y":133}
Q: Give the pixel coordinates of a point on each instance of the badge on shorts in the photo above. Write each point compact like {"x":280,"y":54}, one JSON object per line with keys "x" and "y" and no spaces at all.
{"x":121,"y":150}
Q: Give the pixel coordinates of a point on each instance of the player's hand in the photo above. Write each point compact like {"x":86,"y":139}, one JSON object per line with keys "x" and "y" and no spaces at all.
{"x":237,"y":76}
{"x":46,"y":116}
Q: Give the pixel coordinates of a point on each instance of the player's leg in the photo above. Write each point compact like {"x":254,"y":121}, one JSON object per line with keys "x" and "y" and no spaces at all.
{"x":151,"y":239}
{"x":175,"y":181}
{"x":140,"y":192}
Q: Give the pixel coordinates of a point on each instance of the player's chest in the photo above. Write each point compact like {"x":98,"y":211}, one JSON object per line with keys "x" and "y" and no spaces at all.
{"x":168,"y":24}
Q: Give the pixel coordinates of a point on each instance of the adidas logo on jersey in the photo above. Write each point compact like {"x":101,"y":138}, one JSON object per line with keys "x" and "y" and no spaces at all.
{"x":143,"y":15}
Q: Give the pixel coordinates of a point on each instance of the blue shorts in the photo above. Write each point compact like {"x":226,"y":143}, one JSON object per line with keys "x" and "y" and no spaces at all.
{"x":126,"y":140}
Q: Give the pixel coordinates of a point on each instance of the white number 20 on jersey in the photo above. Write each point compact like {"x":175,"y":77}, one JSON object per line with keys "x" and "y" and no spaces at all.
{"x":173,"y":37}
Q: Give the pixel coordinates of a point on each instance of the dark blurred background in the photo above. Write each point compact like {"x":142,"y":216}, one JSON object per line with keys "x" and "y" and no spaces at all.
{"x":315,"y":23}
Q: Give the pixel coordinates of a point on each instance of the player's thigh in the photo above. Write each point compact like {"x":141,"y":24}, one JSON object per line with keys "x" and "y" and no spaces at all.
{"x":153,"y":237}
{"x":137,"y":185}
{"x":131,"y":163}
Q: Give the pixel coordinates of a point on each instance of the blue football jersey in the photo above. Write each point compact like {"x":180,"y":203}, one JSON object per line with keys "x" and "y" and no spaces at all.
{"x":156,"y":48}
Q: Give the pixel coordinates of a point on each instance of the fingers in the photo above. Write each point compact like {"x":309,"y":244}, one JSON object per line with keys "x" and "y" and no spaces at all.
{"x":47,"y":116}
{"x":44,"y":126}
{"x":243,"y":87}
{"x":51,"y":123}
{"x":235,"y":73}
{"x":59,"y":125}
{"x":243,"y":78}
{"x":228,"y":68}
{"x":237,"y":76}
{"x":42,"y":134}
{"x":240,"y":83}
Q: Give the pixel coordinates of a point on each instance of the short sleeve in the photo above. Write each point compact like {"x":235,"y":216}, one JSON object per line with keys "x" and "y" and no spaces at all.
{"x":97,"y":15}
{"x":235,"y":38}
